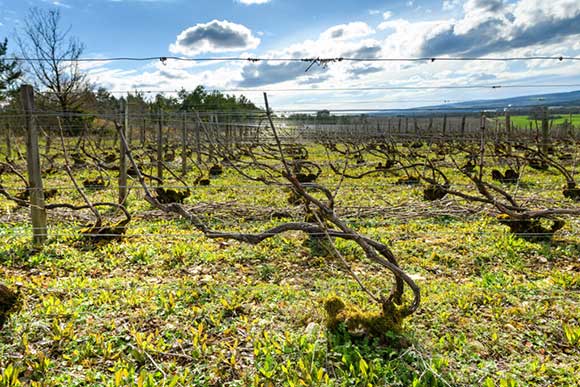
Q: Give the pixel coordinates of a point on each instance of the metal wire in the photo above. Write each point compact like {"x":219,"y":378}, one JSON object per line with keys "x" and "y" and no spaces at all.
{"x":164,"y":59}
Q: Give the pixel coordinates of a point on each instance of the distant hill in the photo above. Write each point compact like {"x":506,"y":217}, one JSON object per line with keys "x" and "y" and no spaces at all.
{"x":571,"y":98}
{"x":522,"y":104}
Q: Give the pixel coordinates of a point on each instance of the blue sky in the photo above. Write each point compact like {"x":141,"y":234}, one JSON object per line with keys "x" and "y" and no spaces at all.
{"x":283,"y":28}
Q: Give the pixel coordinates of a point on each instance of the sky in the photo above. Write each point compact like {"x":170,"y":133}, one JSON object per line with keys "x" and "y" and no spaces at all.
{"x":325,"y":29}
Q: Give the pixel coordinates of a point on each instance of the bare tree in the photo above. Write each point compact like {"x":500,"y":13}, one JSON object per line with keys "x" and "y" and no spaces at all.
{"x":52,"y":56}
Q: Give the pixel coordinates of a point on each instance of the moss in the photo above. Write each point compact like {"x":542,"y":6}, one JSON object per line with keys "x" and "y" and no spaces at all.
{"x":371,"y":324}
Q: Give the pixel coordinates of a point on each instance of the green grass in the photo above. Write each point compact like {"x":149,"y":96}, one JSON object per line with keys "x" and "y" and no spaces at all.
{"x":167,"y":307}
{"x":524,"y":121}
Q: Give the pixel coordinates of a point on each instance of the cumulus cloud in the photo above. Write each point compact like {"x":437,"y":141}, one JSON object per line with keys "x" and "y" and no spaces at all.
{"x":343,"y":40}
{"x":313,"y":80}
{"x":265,"y":73}
{"x":491,"y":26}
{"x":173,"y":74}
{"x":215,"y":36}
{"x":358,"y":71}
{"x":347,"y":31}
{"x":450,"y":4}
{"x":367,"y":49}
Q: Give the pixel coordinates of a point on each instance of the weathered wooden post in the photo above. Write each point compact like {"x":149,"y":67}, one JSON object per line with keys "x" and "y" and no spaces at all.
{"x":212,"y":134}
{"x":37,"y":210}
{"x":8,"y":141}
{"x":48,"y":141}
{"x":508,"y":131}
{"x":399,"y":127}
{"x":545,"y":131}
{"x":123,"y":156}
{"x":198,"y":141}
{"x":160,"y":144}
{"x":183,"y":145}
{"x":142,"y":131}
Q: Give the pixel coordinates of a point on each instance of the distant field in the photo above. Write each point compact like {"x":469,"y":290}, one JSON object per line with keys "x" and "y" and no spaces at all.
{"x":524,"y":120}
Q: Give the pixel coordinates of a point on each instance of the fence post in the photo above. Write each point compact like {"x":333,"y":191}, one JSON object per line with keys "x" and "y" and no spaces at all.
{"x":545,"y":131}
{"x":212,"y":134}
{"x":123,"y":156}
{"x":8,"y":141}
{"x":183,"y":145}
{"x":142,"y":131}
{"x":160,"y":144}
{"x":198,"y":141}
{"x":508,"y":131}
{"x":399,"y":127}
{"x":37,"y":210}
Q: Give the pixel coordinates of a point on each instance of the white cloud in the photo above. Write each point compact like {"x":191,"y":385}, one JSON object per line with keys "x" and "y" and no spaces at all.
{"x":399,"y":38}
{"x":347,"y":31}
{"x":215,"y":36}
{"x":492,"y":26}
{"x":387,"y":15}
{"x":449,"y":5}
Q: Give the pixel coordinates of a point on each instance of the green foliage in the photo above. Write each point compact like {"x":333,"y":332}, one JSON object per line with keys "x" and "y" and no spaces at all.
{"x":164,"y":305}
{"x":9,"y":71}
{"x":572,"y":335}
{"x":201,"y":100}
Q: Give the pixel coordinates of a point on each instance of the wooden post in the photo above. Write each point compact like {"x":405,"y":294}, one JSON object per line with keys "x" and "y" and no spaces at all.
{"x":160,"y":144}
{"x":227,"y":134}
{"x":48,"y":141}
{"x":508,"y":131}
{"x":462,"y":135}
{"x":198,"y":141}
{"x":128,"y":127}
{"x":212,"y":134}
{"x":123,"y":156}
{"x":8,"y":141}
{"x":37,"y":210}
{"x":444,"y":129}
{"x":142,"y":132}
{"x":545,"y":131}
{"x":183,"y":146}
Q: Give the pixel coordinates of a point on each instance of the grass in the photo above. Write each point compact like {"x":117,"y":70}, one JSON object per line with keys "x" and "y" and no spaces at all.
{"x":165,"y":306}
{"x":524,"y":121}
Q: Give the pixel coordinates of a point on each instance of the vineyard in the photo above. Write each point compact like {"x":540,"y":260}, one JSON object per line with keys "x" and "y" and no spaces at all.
{"x":262,"y":249}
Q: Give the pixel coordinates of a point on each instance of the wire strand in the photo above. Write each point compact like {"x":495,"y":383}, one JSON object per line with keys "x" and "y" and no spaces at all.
{"x":321,"y":60}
